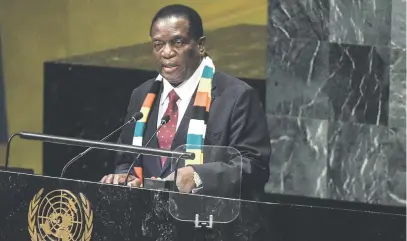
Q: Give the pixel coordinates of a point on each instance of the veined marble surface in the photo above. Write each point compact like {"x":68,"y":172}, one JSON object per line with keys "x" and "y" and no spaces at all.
{"x":329,"y":81}
{"x":297,"y":74}
{"x":367,"y":163}
{"x":340,"y":65}
{"x":397,"y":113}
{"x":337,"y":160}
{"x":397,"y":98}
{"x":299,"y":154}
{"x":361,"y":22}
{"x":398,"y":24}
{"x":290,"y":19}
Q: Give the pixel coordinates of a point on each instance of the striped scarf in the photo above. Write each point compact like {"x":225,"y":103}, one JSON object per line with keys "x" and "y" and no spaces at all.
{"x":197,"y":123}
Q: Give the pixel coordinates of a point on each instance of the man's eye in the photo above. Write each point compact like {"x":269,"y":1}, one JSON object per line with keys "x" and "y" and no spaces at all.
{"x":157,"y":45}
{"x":178,"y":42}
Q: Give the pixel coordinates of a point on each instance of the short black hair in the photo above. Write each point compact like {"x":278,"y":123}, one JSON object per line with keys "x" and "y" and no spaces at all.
{"x":179,"y":10}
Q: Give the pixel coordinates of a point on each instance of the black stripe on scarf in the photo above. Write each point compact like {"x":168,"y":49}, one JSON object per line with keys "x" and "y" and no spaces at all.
{"x":199,"y":113}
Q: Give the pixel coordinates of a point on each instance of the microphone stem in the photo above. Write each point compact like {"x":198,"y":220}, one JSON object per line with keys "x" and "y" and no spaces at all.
{"x":67,"y":165}
{"x":129,"y":170}
{"x":163,"y":122}
{"x":8,"y":150}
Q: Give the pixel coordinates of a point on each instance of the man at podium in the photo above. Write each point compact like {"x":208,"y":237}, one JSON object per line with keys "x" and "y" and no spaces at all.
{"x":199,"y":103}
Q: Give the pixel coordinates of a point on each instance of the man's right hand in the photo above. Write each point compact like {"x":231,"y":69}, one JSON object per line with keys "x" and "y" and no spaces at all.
{"x":116,"y":179}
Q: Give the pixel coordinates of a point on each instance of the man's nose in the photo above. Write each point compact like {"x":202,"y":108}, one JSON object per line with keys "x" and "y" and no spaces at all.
{"x":167,"y":51}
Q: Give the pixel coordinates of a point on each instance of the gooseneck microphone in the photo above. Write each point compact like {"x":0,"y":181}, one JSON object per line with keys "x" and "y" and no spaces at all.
{"x":137,"y":116}
{"x":139,"y":172}
{"x":8,"y":149}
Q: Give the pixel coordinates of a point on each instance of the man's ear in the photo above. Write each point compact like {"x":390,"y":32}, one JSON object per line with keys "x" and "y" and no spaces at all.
{"x":201,"y":44}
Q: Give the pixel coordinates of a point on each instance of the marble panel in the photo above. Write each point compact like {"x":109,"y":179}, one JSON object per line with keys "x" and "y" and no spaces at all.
{"x":297,"y":74}
{"x":366,"y":163}
{"x":304,"y":19}
{"x":360,"y":22}
{"x":358,"y":85}
{"x":328,"y":81}
{"x":397,"y":100}
{"x":298,"y":162}
{"x":398,"y":23}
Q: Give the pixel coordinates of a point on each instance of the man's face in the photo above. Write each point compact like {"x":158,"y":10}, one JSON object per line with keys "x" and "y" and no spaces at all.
{"x":177,"y":54}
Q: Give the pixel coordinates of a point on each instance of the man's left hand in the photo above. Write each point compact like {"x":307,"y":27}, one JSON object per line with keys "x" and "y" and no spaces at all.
{"x":185,"y":179}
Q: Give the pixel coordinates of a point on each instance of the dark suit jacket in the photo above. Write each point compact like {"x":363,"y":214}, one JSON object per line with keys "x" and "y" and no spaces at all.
{"x":236,"y":119}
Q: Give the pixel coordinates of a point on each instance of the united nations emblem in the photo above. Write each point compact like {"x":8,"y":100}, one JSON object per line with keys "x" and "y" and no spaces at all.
{"x":60,"y":215}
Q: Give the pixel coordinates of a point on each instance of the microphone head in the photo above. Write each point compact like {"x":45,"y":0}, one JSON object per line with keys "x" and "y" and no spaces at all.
{"x":137,"y":116}
{"x":165,"y":119}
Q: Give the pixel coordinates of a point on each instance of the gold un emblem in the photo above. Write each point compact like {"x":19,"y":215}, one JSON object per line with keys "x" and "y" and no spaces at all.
{"x":60,"y":215}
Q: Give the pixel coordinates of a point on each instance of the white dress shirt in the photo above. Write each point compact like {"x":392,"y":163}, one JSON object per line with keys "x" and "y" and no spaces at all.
{"x":184,"y":92}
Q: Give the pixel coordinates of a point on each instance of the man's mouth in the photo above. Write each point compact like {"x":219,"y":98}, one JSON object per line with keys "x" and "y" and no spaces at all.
{"x":169,"y":67}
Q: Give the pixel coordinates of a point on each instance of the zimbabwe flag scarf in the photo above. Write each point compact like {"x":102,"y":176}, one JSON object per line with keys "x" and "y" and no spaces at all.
{"x":197,"y":123}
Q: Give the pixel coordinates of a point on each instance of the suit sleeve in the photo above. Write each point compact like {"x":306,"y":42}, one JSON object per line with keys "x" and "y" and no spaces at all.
{"x":123,"y":159}
{"x":248,"y":134}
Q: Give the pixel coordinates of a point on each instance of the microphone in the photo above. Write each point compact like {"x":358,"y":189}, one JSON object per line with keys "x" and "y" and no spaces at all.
{"x":136,"y":116}
{"x":139,"y":170}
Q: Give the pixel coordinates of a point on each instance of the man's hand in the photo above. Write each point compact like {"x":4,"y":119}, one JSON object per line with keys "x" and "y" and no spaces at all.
{"x":185,"y":179}
{"x":116,"y":179}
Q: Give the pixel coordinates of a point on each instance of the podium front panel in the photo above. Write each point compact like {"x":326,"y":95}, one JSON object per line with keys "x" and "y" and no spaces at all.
{"x":43,"y":208}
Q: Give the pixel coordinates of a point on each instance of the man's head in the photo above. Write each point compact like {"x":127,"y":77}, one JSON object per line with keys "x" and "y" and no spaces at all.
{"x":178,"y":42}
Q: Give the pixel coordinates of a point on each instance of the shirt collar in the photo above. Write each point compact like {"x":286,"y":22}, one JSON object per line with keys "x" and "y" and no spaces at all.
{"x":186,"y":89}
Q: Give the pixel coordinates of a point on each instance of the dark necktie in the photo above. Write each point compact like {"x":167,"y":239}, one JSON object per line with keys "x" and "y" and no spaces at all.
{"x":167,"y":132}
